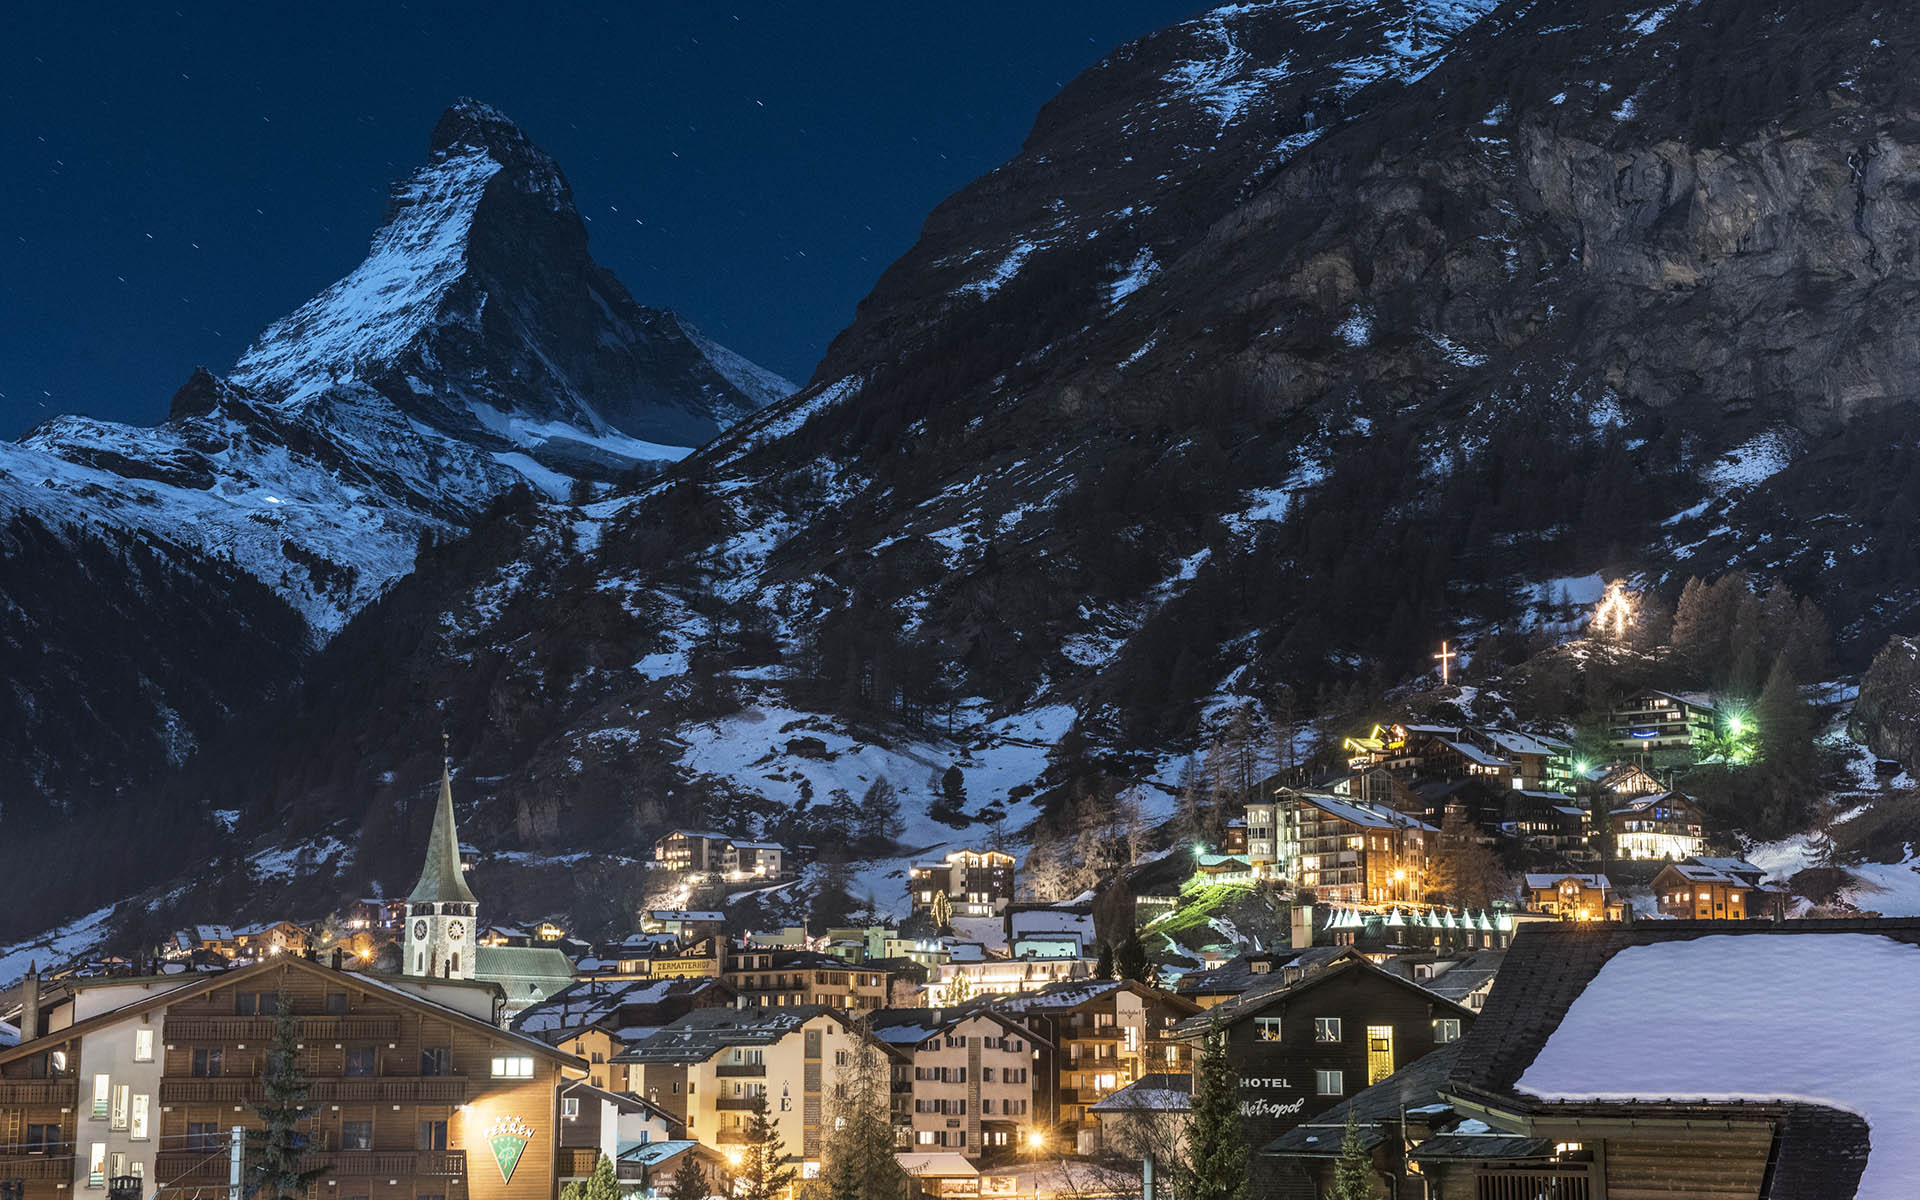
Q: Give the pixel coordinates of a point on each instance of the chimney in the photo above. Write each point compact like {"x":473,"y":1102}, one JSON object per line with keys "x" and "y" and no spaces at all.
{"x":30,"y":1003}
{"x":1303,"y":926}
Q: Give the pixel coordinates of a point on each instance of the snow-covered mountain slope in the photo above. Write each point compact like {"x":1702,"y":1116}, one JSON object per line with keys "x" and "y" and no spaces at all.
{"x":478,"y":347}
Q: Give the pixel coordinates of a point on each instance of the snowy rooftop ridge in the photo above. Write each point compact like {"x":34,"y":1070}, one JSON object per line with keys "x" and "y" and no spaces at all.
{"x":1764,"y":1022}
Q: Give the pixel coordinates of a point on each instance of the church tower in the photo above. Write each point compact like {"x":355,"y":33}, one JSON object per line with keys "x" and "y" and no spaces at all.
{"x":441,"y":911}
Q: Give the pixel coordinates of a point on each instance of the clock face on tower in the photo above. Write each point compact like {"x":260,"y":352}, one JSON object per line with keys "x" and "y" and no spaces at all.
{"x":420,"y":930}
{"x":455,"y":929}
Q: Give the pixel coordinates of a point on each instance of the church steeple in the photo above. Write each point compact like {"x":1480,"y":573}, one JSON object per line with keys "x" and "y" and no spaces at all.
{"x":441,"y":879}
{"x":441,"y":910}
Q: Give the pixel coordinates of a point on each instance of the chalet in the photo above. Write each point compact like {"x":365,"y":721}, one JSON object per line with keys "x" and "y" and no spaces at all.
{"x":1664,"y":825}
{"x":1348,"y":850}
{"x":411,"y":1078}
{"x":1671,"y":1059}
{"x":1246,"y":971}
{"x":650,"y":1168}
{"x":1029,"y":920}
{"x":596,"y":1123}
{"x":1572,"y":896}
{"x":977,"y":883}
{"x":1146,"y":1119}
{"x":1621,"y":779}
{"x":267,"y":938}
{"x":1309,"y":1039}
{"x":1234,"y":839}
{"x":1465,"y":977}
{"x":1532,"y":760}
{"x":974,"y":1086}
{"x":1106,"y":1034}
{"x":1713,"y":889}
{"x":1263,"y":845}
{"x":376,"y":912}
{"x":1549,"y":822}
{"x":961,"y":978}
{"x":596,"y":1020}
{"x":1654,"y":722}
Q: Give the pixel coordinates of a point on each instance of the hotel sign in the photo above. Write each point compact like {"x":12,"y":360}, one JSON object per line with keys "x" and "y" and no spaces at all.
{"x":508,"y":1138}
{"x":1262,"y":1106}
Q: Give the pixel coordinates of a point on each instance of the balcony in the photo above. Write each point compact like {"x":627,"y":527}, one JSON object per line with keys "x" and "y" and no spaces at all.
{"x":737,"y":1103}
{"x":429,"y":1089}
{"x":261,"y":1029}
{"x":733,"y":1137}
{"x":56,"y":1167}
{"x":741,"y":1070}
{"x":392,"y":1164}
{"x":21,"y":1092}
{"x":191,"y":1167}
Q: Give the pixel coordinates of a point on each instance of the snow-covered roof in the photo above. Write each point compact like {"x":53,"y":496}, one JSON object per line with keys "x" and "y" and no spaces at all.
{"x":1367,"y":816}
{"x":1550,"y":879}
{"x":739,"y":845}
{"x":684,"y":914}
{"x":1150,"y":1093}
{"x":652,"y":1154}
{"x":1797,"y":1038}
{"x":1475,"y":754}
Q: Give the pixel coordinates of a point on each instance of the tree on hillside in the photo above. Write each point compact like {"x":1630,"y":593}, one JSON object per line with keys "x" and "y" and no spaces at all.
{"x":762,"y":1172}
{"x":1465,"y":872}
{"x":1216,"y":1160}
{"x":832,"y":903}
{"x":1788,"y":770}
{"x":1103,"y":967}
{"x":277,"y":1151}
{"x":1131,"y":959}
{"x":879,"y":812}
{"x":949,"y":805}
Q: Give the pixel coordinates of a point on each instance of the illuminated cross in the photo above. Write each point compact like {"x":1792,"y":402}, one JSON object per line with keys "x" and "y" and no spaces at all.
{"x":1446,"y":658}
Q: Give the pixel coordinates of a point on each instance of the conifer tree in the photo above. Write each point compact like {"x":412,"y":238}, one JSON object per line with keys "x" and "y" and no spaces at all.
{"x":277,"y":1151}
{"x":1131,"y":960}
{"x":1103,"y":969}
{"x":942,"y":912}
{"x":602,"y":1184}
{"x":1216,"y":1161}
{"x":857,"y":1160}
{"x":689,"y":1180}
{"x":763,"y":1173}
{"x":1353,"y":1170}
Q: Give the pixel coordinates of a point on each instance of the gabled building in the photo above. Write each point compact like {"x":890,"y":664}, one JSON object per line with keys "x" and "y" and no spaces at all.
{"x":1106,"y":1034}
{"x":1305,"y":1042}
{"x":1348,"y":850}
{"x":1653,"y":722}
{"x":688,"y":925}
{"x":1664,"y":825}
{"x":596,"y":1123}
{"x":1551,"y":822}
{"x":776,"y":978}
{"x":692,"y":850}
{"x":974,"y":1083}
{"x":708,"y":1068}
{"x":596,"y":1020}
{"x":755,"y":860}
{"x":416,"y":1091}
{"x":1713,"y":889}
{"x":1572,"y":895}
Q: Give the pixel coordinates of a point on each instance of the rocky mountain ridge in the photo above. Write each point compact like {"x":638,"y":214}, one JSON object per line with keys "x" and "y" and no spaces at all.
{"x":478,"y":348}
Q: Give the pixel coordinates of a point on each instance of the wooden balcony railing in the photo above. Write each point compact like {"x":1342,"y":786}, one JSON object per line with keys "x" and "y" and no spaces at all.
{"x":578,"y":1162}
{"x":392,"y":1089}
{"x":182,"y":1167}
{"x":742,"y":1103}
{"x":261,"y":1029}
{"x":56,"y":1166}
{"x":64,"y":1092}
{"x":394,"y":1164}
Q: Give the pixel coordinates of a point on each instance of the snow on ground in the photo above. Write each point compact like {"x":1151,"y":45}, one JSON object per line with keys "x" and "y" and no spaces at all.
{"x":533,"y":434}
{"x":286,"y":861}
{"x":760,"y":385}
{"x":1357,"y":329}
{"x":1007,"y":268}
{"x":56,"y":946}
{"x":1758,"y":458}
{"x":1796,"y":1038}
{"x":1133,"y":276}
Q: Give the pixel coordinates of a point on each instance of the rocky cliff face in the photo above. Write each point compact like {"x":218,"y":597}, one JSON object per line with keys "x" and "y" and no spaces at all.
{"x":477,"y":348}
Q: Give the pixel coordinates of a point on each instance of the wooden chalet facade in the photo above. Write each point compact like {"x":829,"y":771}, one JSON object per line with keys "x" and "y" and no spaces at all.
{"x":1713,"y":889}
{"x":1572,"y":895}
{"x":1315,"y":1036}
{"x":416,"y":1092}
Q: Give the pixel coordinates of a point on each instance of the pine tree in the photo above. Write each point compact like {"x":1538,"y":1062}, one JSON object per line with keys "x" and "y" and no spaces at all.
{"x":880,"y":812}
{"x":763,"y":1173}
{"x":1103,"y":969}
{"x":857,"y":1160}
{"x":942,"y":912}
{"x":602,"y":1184}
{"x":277,"y":1151}
{"x":1131,"y":960}
{"x":689,"y":1179}
{"x":1216,"y":1162}
{"x":1353,"y":1170}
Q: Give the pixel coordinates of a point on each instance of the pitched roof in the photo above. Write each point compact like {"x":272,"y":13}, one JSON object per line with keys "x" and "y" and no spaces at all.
{"x":1355,"y":812}
{"x":1416,"y":1085}
{"x":1237,"y":974}
{"x":1818,"y":1151}
{"x":705,"y":1032}
{"x":441,"y":879}
{"x":1150,"y":1093}
{"x":911,"y":1026}
{"x":652,"y":1154}
{"x":1550,"y":879}
{"x":1255,"y":999}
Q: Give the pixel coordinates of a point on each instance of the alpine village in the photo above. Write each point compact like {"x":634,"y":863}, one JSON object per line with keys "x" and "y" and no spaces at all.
{"x":1340,"y":626}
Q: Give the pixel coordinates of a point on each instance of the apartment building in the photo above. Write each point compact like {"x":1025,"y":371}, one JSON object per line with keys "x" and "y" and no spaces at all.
{"x":977,"y":883}
{"x":417,"y":1093}
{"x":597,"y":1019}
{"x":976,"y":1078}
{"x":777,"y":978}
{"x":1105,"y":1034}
{"x":707,"y":1069}
{"x":1342,"y":849}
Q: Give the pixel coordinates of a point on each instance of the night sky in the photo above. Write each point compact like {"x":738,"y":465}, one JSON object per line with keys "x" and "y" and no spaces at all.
{"x":175,"y":180}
